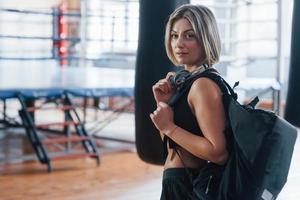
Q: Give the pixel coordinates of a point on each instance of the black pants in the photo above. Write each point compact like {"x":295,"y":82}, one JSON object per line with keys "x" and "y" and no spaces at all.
{"x":176,"y":185}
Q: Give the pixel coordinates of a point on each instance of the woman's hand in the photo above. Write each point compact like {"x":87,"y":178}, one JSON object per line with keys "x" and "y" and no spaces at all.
{"x":163,"y":90}
{"x":162,"y":117}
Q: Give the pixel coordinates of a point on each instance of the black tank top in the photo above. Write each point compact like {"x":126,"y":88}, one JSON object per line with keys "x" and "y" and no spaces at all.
{"x":183,"y":117}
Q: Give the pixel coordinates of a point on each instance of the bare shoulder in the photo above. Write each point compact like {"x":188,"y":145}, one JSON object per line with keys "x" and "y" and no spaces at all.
{"x":204,"y":86}
{"x":205,"y":101}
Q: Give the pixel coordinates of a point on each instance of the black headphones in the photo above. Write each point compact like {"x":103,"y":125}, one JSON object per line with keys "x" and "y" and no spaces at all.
{"x":179,"y":78}
{"x":182,"y":76}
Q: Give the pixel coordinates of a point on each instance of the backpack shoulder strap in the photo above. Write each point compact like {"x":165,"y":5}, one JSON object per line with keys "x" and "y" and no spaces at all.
{"x":226,"y":88}
{"x":223,"y":85}
{"x":210,"y":73}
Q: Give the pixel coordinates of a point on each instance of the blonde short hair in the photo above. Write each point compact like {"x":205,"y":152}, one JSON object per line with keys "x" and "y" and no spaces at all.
{"x":205,"y":27}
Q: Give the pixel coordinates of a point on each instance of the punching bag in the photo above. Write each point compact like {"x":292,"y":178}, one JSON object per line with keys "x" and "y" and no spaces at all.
{"x":152,"y":64}
{"x":292,"y":110}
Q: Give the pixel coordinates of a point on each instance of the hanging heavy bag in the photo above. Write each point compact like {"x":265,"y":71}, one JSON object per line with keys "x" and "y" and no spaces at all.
{"x":260,"y":144}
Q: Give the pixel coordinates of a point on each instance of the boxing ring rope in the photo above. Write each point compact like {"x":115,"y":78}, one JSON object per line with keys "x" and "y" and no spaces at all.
{"x":57,"y":38}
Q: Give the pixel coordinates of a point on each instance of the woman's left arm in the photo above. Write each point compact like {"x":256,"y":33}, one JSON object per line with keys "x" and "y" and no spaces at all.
{"x":205,"y":99}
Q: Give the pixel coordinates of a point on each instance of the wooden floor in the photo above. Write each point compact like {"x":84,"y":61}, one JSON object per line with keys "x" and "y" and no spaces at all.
{"x":118,"y":177}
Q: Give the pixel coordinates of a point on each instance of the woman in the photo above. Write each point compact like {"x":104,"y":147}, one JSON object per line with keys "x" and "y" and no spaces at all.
{"x":196,"y":122}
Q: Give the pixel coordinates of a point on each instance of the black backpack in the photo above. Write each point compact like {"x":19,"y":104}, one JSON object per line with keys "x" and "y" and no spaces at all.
{"x":260,"y":144}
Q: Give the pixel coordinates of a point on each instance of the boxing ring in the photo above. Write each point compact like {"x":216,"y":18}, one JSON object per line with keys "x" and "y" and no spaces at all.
{"x":33,"y":82}
{"x":28,"y":84}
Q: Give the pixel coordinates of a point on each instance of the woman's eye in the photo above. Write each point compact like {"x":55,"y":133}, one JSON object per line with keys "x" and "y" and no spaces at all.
{"x":190,"y":36}
{"x":174,"y":36}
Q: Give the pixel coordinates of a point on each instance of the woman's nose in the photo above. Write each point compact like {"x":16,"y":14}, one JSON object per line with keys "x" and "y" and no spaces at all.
{"x":180,"y":42}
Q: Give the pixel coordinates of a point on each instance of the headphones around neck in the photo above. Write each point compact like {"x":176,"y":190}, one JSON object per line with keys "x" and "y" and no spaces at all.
{"x":183,"y":75}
